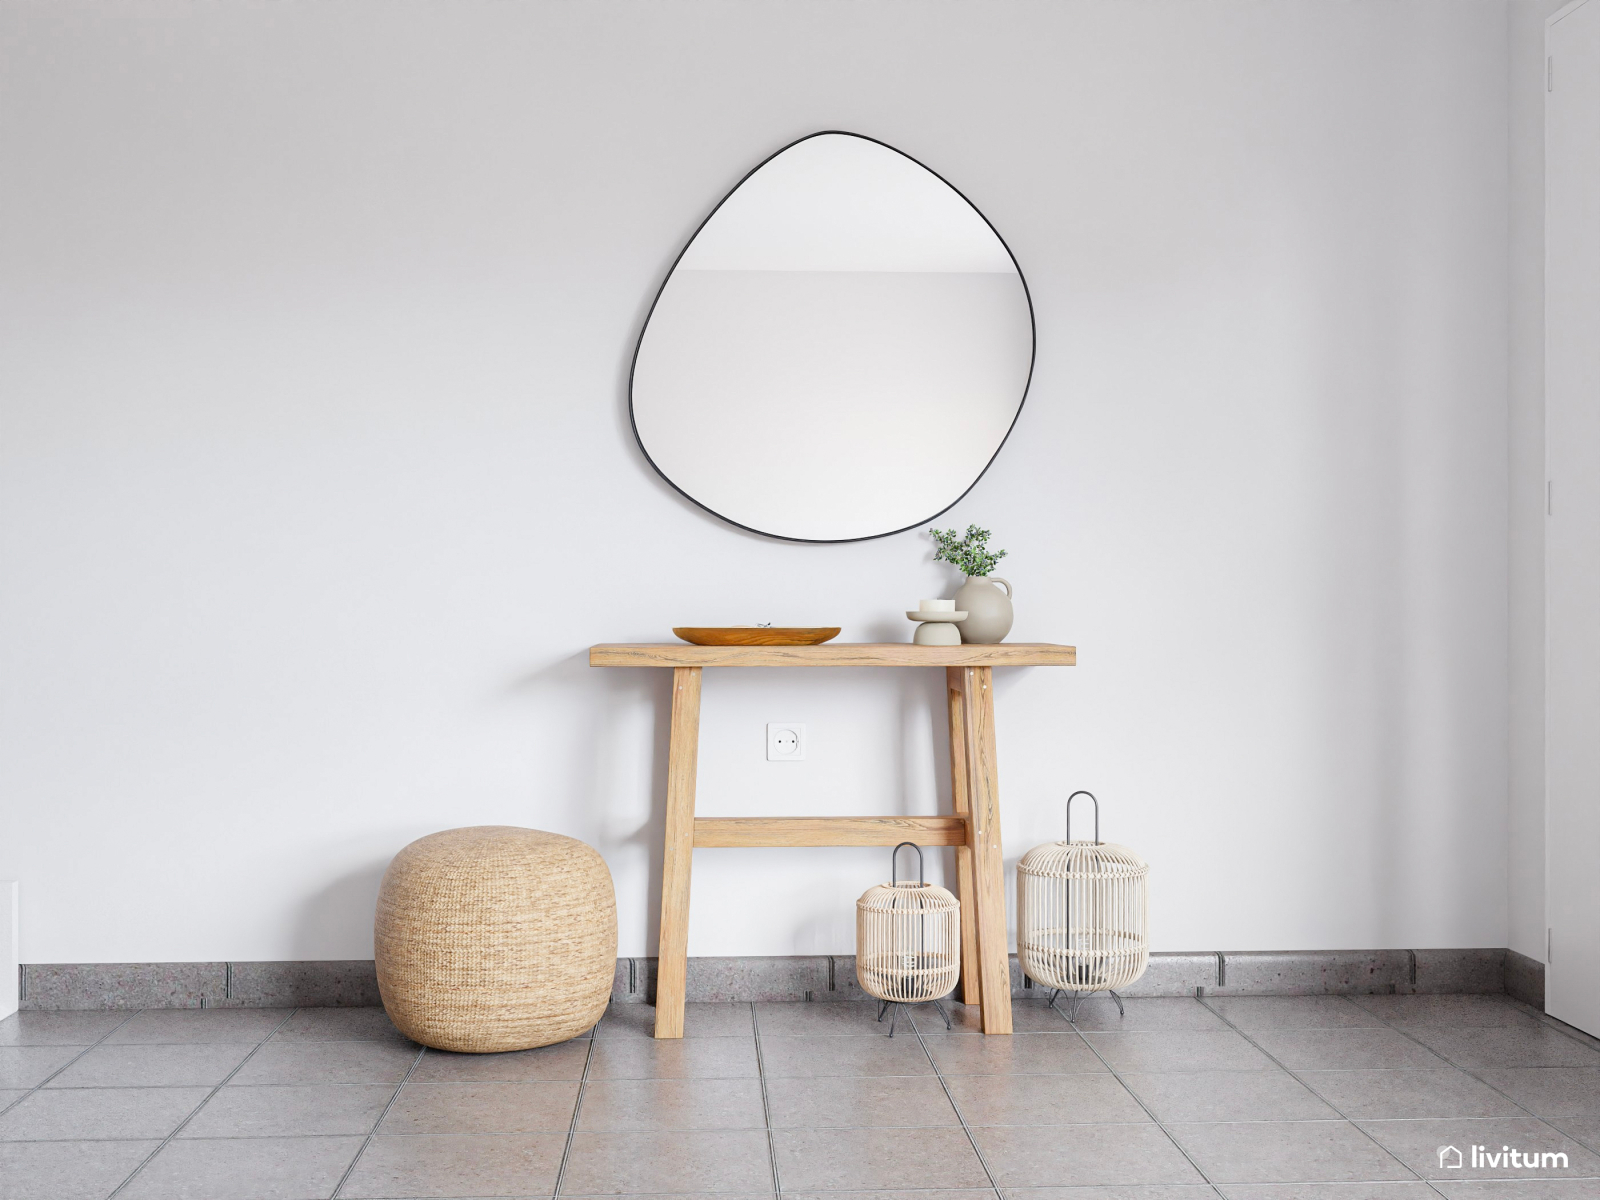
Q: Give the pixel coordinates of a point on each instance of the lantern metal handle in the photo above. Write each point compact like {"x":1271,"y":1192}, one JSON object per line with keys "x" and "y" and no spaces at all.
{"x":894,"y":854}
{"x":1070,"y":799}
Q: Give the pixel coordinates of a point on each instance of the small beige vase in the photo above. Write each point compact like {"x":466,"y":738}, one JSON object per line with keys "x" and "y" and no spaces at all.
{"x":989,"y":613}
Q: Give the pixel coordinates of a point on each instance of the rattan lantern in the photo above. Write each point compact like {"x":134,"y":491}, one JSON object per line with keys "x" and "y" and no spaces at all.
{"x":908,"y":942}
{"x":1083,"y":914}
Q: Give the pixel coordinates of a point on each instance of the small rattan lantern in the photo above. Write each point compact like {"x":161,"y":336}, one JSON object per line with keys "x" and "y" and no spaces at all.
{"x":908,"y":942}
{"x":1083,"y":914}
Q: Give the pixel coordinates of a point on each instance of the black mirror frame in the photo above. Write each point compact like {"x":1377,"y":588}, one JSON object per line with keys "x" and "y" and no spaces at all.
{"x":1033,"y":348}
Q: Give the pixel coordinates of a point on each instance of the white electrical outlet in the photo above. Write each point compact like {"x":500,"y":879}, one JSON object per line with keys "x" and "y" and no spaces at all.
{"x":786,"y":742}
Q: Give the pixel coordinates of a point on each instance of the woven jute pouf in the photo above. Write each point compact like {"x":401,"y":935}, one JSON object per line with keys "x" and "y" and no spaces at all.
{"x":495,"y":938}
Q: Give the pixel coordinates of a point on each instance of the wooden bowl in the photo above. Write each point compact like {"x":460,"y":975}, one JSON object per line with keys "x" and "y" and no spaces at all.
{"x":754,"y":635}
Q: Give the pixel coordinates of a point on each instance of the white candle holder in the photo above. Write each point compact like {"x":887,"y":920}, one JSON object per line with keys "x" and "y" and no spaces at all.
{"x":938,"y":620}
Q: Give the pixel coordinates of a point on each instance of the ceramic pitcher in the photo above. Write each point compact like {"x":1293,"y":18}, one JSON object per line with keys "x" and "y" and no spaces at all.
{"x":989,"y":614}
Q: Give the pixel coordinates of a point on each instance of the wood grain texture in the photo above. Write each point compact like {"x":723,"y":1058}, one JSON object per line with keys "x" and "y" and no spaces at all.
{"x":829,"y":831}
{"x":755,"y":635}
{"x":983,"y":794}
{"x":834,"y":654}
{"x":971,"y":977}
{"x":682,"y":758}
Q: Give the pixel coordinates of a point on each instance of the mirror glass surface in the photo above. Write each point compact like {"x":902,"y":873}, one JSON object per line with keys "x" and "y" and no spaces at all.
{"x":840,"y":350}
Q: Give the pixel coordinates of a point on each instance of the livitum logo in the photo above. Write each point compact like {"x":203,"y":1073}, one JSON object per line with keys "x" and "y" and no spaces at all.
{"x":1481,"y":1158}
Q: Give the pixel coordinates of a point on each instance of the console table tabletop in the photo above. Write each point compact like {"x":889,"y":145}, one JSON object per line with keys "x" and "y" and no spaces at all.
{"x":973,"y":829}
{"x":834,"y":654}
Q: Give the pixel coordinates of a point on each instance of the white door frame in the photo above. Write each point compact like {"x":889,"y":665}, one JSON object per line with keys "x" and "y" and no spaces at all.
{"x":1572,"y":522}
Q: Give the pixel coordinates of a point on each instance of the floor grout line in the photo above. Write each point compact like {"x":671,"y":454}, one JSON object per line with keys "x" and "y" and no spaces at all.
{"x":183,"y":1123}
{"x":766,"y":1103}
{"x":1399,"y":1022}
{"x":378,"y":1124}
{"x":1224,"y":1019}
{"x":1065,"y":1125}
{"x":1160,"y":1124}
{"x":84,"y":1050}
{"x":577,"y":1107}
{"x":1473,"y":1073}
{"x":960,"y":1116}
{"x":1571,"y":1032}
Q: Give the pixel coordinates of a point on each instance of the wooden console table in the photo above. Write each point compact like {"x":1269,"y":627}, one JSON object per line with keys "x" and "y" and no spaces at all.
{"x":974,"y":829}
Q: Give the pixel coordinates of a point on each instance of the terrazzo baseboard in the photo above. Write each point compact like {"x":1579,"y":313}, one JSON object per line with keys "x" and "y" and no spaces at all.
{"x":317,"y":984}
{"x":1524,"y":979}
{"x":822,"y":977}
{"x":1360,"y":972}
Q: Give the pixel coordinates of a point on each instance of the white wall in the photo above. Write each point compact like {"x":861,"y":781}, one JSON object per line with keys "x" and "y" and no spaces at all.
{"x":318,"y":481}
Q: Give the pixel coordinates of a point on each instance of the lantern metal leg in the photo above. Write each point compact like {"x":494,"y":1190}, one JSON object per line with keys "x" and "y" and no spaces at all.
{"x":1072,"y":1008}
{"x":888,"y":1007}
{"x":1072,"y":1011}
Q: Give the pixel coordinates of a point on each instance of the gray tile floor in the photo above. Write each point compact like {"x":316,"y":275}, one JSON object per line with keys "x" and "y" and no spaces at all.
{"x":1259,"y":1098}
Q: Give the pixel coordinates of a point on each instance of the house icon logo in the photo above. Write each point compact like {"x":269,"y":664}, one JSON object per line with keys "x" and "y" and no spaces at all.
{"x":1449,"y":1157}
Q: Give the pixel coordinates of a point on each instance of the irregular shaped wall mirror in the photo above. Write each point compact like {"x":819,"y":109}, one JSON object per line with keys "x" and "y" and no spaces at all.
{"x":840,"y":350}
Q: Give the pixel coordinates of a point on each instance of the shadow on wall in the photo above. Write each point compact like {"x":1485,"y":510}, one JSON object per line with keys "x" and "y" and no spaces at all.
{"x":651,"y":837}
{"x":614,"y":795}
{"x":340,"y":915}
{"x":606,"y":758}
{"x":611,"y":732}
{"x":618,"y":801}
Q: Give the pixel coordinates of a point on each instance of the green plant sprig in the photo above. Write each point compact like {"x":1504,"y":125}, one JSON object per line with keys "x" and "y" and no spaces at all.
{"x":970,"y":554}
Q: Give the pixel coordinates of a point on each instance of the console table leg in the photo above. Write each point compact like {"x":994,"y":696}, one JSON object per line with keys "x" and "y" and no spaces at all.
{"x":971,"y":980}
{"x":682,"y":754}
{"x":989,"y":871}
